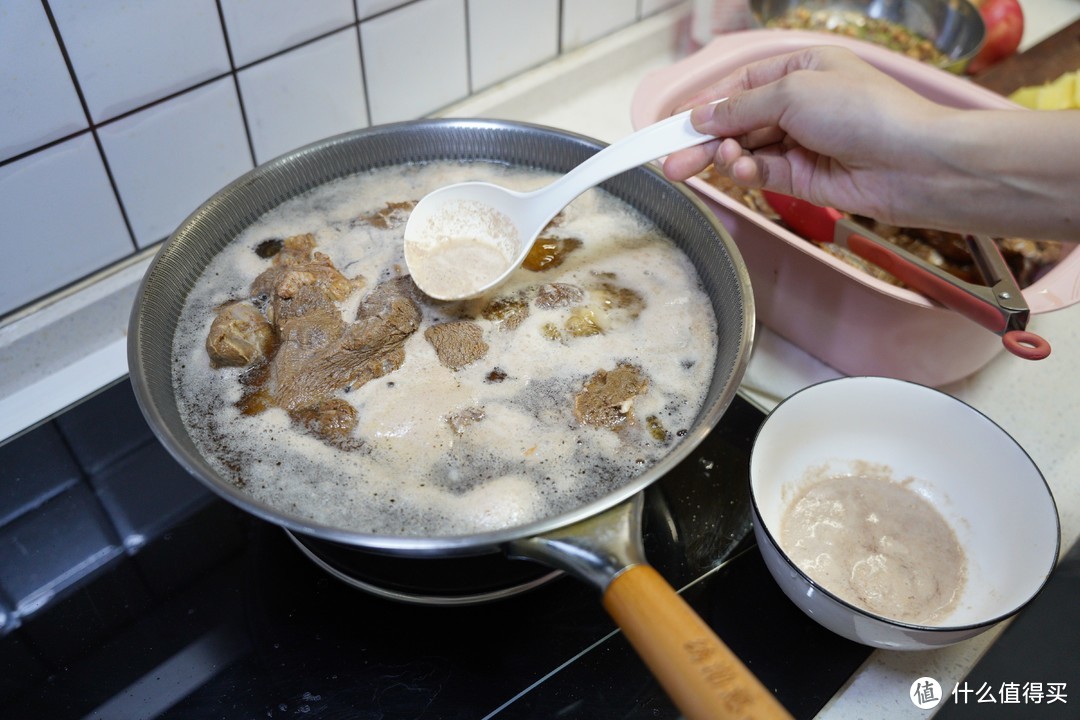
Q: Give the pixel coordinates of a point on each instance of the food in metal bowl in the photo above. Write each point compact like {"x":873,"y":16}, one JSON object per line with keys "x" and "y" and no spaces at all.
{"x":942,"y":33}
{"x":322,"y":381}
{"x":854,"y":24}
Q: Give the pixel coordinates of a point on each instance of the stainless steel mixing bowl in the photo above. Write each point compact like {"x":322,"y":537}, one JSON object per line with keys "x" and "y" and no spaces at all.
{"x":954,"y":26}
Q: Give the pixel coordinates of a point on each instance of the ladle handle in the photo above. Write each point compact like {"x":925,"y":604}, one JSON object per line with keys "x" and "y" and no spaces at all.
{"x":647,"y":144}
{"x":704,"y":678}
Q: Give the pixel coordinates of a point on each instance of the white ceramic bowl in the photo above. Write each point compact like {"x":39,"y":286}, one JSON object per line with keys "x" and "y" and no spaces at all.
{"x":978,"y":478}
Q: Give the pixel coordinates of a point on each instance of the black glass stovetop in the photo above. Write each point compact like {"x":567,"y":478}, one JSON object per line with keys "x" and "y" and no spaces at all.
{"x":239,"y":623}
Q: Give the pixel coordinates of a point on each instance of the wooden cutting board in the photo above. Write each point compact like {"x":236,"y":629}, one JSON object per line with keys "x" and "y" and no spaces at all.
{"x":1045,"y":61}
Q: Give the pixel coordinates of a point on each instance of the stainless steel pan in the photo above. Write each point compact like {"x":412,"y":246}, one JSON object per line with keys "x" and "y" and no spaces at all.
{"x":599,"y":542}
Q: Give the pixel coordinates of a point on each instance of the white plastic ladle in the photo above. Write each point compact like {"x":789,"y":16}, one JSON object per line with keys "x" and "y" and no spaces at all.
{"x":465,"y":239}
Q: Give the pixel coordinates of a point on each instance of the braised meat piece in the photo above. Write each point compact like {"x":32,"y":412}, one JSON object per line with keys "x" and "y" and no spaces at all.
{"x":457,"y":343}
{"x":301,"y":281}
{"x":239,"y":336}
{"x":315,"y":354}
{"x":507,"y":311}
{"x":558,"y":295}
{"x":321,"y":355}
{"x":947,"y":251}
{"x":331,"y":419}
{"x":619,"y":303}
{"x":1029,"y":258}
{"x":600,"y":308}
{"x":750,"y":197}
{"x":384,"y":321}
{"x":607,"y":400}
{"x":393,"y":214}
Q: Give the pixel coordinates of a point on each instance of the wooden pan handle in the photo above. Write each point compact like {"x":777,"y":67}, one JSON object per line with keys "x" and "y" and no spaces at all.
{"x":704,"y":679}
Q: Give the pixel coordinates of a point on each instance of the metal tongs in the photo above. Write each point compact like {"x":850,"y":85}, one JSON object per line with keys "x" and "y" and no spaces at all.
{"x":998,"y":305}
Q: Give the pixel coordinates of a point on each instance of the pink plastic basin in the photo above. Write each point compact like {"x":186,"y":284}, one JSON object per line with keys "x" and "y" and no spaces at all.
{"x":850,"y":320}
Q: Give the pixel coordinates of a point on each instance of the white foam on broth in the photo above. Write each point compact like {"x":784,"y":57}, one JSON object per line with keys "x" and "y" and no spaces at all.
{"x":528,"y":458}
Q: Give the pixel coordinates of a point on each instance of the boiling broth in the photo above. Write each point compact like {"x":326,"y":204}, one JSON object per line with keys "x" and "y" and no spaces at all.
{"x":415,"y":472}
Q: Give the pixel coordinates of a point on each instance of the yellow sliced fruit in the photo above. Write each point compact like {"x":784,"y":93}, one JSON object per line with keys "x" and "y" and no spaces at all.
{"x":1058,"y":95}
{"x":1027,"y":96}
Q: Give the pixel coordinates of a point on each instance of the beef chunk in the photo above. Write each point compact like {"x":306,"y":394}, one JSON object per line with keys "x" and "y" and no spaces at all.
{"x":1029,"y":258}
{"x":384,"y":321}
{"x":392,"y":215}
{"x":507,"y":311}
{"x":607,"y":399}
{"x":457,"y":343}
{"x":618,"y":302}
{"x":558,"y":295}
{"x":318,"y":355}
{"x":321,"y":355}
{"x":301,"y":281}
{"x":602,"y":306}
{"x":239,"y":336}
{"x":331,"y":419}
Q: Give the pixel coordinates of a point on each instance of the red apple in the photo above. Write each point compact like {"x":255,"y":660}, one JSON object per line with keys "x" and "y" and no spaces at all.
{"x":1004,"y":20}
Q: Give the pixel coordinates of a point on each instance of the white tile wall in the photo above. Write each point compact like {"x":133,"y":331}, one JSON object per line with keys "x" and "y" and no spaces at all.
{"x":171,"y":157}
{"x":508,"y":36}
{"x":39,"y":99}
{"x":182,"y":97}
{"x":415,"y":59}
{"x":313,"y":92}
{"x":370,"y":8}
{"x":127,"y":54}
{"x":257,"y":28}
{"x":586,"y":20}
{"x":56,"y":232}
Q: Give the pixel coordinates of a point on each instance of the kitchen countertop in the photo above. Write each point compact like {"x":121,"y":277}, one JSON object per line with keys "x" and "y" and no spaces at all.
{"x":589,"y":92}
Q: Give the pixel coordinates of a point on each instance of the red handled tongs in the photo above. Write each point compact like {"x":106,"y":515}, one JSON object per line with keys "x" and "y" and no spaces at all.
{"x":998,"y":305}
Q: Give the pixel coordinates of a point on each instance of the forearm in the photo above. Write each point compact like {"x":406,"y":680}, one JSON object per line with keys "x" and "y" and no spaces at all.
{"x":825,"y":126}
{"x":1002,"y":173}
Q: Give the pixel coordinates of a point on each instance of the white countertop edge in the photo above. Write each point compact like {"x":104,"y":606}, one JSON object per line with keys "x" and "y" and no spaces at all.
{"x":52,"y":394}
{"x":68,"y":347}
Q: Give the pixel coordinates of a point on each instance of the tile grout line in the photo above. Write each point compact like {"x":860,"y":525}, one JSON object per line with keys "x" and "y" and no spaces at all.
{"x":90,"y":121}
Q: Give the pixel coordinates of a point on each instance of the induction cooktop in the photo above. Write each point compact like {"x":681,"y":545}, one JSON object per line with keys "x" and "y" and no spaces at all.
{"x":217,"y":614}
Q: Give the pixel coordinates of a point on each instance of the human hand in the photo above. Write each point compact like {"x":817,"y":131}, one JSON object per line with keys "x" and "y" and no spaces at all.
{"x":820,"y":124}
